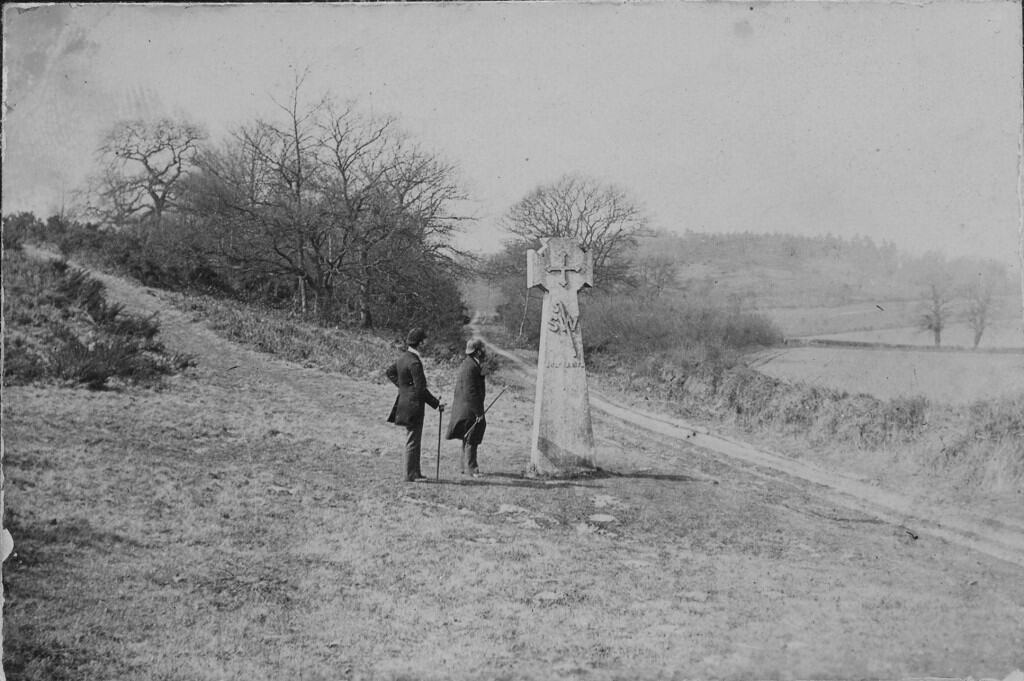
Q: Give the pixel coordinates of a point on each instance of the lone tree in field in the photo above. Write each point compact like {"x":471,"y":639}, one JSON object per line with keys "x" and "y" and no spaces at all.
{"x":602,"y":218}
{"x":938,"y":279}
{"x":340,"y":206}
{"x":142,"y":168}
{"x":980,"y":294}
{"x":936,"y":314}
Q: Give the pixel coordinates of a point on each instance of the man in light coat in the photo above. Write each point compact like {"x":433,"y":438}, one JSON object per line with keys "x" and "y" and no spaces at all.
{"x":413,"y":394}
{"x":467,"y":419}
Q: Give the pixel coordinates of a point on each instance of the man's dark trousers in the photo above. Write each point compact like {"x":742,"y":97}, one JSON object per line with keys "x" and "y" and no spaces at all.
{"x":412,"y":450}
{"x":469,"y":457}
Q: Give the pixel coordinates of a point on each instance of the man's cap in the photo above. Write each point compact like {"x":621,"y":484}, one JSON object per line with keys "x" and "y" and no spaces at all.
{"x":474,"y":344}
{"x":415,"y":336}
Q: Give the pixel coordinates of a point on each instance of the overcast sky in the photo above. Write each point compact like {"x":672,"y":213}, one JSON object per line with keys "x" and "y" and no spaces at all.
{"x":896,"y":121}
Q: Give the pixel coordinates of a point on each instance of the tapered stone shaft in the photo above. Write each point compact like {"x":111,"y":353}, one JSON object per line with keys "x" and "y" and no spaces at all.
{"x":563,"y":436}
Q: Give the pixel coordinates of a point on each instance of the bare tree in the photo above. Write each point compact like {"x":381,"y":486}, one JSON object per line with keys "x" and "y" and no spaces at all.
{"x":603,"y":218}
{"x":938,"y":307}
{"x":938,"y":280}
{"x":142,"y":166}
{"x":327,"y":197}
{"x":980,"y":296}
{"x":384,"y":191}
{"x":654,"y":274}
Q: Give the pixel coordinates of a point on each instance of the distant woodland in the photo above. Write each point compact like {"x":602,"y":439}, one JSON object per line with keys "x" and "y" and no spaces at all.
{"x":757,"y":271}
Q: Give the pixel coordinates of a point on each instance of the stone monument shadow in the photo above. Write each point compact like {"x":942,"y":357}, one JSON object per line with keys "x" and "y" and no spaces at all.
{"x":525,"y":480}
{"x":591,"y":479}
{"x":650,"y":475}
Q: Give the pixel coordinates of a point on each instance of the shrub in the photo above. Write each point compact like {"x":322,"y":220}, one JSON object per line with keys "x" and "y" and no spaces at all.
{"x":97,"y":362}
{"x":76,"y":239}
{"x":979,"y":446}
{"x":720,"y":389}
{"x":622,"y":325}
{"x":356,"y":354}
{"x":143,"y":329}
{"x":521,"y":319}
{"x":179,"y":256}
{"x":989,"y":421}
{"x":76,"y":287}
{"x":22,"y":364}
{"x":92,"y":365}
{"x":18,"y":228}
{"x":60,"y":325}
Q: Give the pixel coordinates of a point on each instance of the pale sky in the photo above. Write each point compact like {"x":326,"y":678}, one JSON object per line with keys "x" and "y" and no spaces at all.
{"x":896,"y":121}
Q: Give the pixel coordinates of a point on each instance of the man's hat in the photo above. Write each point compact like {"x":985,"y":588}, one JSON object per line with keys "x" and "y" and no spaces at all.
{"x":474,"y":344}
{"x":415,"y":336}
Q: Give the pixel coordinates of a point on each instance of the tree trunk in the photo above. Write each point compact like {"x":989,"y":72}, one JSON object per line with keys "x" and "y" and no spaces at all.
{"x":365,"y":314}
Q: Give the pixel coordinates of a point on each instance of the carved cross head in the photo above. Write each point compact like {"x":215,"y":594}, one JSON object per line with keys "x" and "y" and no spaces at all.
{"x":560,"y":265}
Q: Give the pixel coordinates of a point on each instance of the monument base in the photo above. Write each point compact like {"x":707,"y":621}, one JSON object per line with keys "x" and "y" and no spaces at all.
{"x":533,"y":473}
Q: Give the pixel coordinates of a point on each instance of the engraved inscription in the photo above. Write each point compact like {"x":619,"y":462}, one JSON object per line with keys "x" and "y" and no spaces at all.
{"x":562,"y":321}
{"x":571,"y":364}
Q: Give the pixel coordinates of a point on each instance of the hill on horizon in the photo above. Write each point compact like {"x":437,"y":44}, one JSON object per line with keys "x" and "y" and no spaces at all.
{"x":764,"y":271}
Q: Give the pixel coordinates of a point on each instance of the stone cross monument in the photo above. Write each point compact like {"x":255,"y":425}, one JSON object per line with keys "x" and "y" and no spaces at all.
{"x":563,"y":437}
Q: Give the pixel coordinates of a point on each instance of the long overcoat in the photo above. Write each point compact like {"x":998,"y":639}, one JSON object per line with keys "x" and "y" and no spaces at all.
{"x":407,"y":374}
{"x":468,"y":403}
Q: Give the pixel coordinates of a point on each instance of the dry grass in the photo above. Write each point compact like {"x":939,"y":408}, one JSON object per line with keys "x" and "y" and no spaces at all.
{"x":247,"y":522}
{"x":980,"y":446}
{"x":206,"y":532}
{"x":985,"y":439}
{"x":341,"y":350}
{"x":941,"y":377}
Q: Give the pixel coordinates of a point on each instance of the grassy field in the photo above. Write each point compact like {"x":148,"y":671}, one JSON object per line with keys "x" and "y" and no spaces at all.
{"x":892,"y":321}
{"x":1004,"y":333}
{"x":250,"y":524}
{"x":944,"y":377}
{"x":246,"y":519}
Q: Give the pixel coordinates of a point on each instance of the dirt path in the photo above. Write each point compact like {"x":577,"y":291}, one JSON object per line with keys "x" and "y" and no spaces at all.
{"x":248,"y":521}
{"x":1002,"y":538}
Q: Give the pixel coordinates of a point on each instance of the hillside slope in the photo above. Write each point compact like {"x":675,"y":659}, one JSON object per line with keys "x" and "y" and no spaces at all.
{"x":248,"y":520}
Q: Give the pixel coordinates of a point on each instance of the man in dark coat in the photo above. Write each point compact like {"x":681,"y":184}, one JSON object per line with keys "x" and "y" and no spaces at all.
{"x":467,"y":420}
{"x":407,"y":374}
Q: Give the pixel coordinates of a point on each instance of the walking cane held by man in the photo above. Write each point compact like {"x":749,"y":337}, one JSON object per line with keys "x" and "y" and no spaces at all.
{"x":467,"y":421}
{"x":407,"y":374}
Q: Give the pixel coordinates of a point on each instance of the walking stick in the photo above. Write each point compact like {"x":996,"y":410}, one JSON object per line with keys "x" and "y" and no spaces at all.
{"x":495,"y":399}
{"x":481,"y":417}
{"x":440,"y":417}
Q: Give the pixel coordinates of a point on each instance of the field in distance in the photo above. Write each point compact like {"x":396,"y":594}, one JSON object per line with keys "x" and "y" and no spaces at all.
{"x":1003,"y":334}
{"x":946,"y":377}
{"x":893,"y":322}
{"x":950,"y":377}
